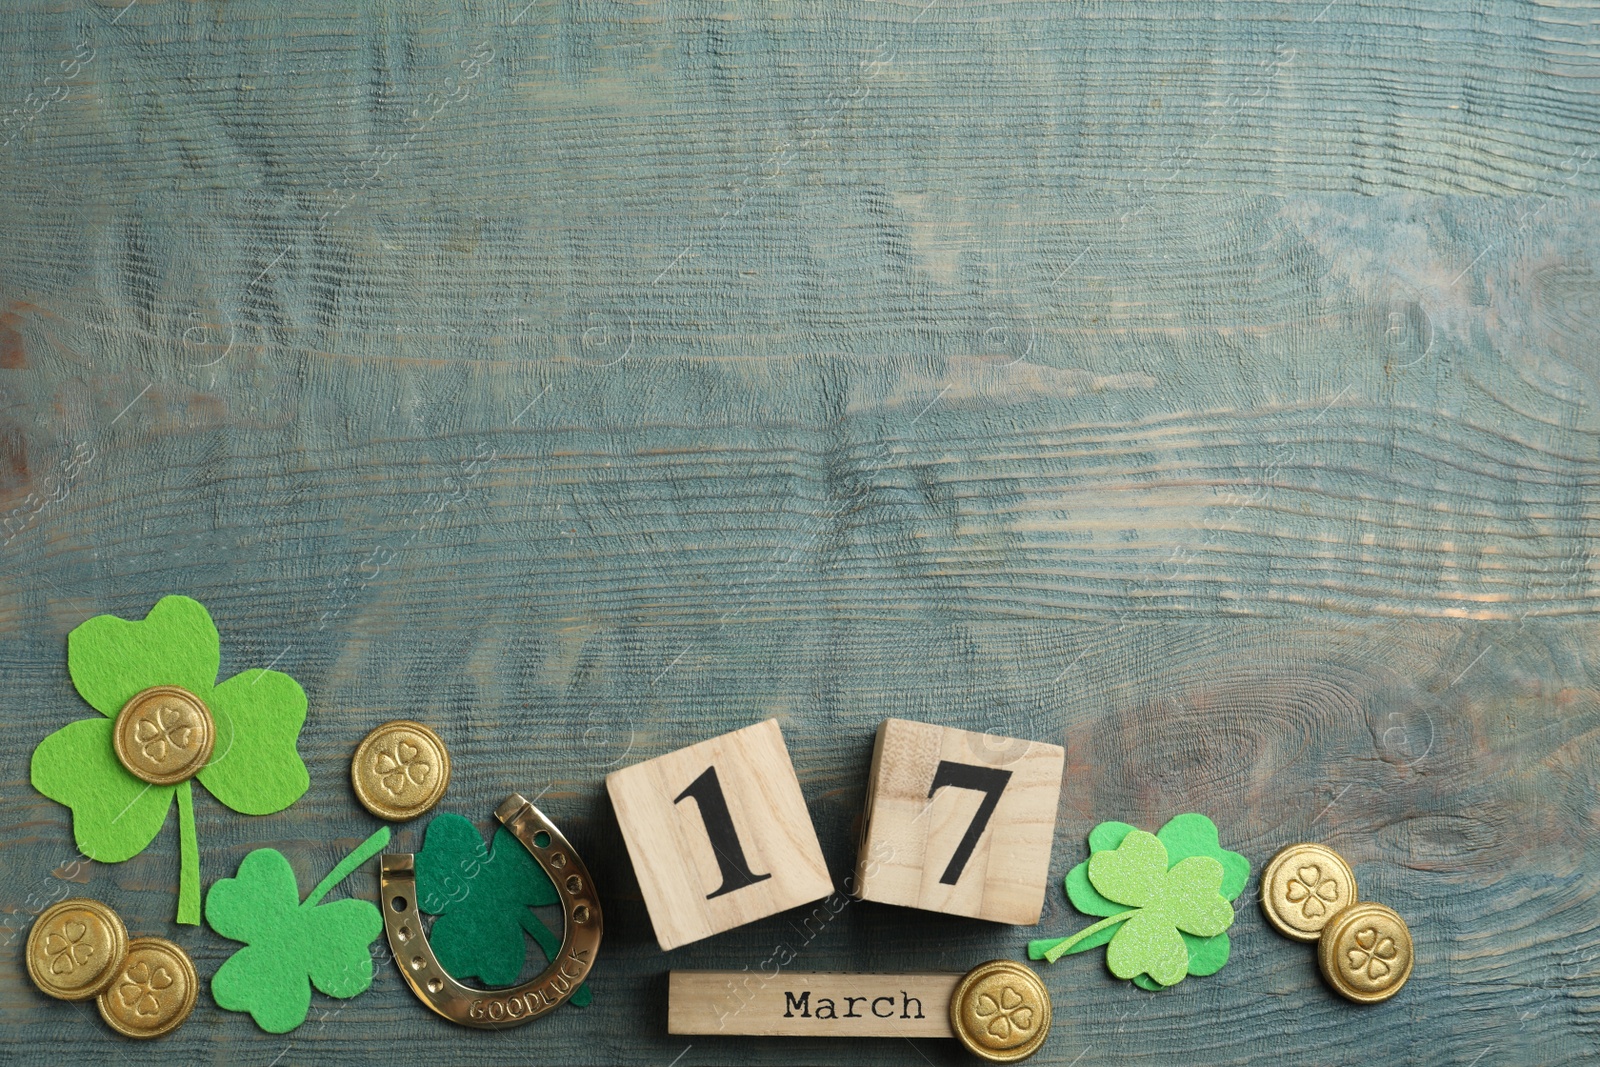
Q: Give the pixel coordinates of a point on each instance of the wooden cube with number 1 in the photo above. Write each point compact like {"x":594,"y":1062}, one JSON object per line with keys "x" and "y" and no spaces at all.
{"x":719,"y":834}
{"x":959,"y":822}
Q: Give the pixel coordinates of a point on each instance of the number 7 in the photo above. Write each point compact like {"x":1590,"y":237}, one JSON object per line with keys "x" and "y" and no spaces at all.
{"x":991,"y":782}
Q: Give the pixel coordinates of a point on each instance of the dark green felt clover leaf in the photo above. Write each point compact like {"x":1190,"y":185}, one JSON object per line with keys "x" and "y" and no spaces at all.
{"x":291,"y":945}
{"x":481,"y":895}
{"x":1183,"y":838}
{"x":254,"y":767}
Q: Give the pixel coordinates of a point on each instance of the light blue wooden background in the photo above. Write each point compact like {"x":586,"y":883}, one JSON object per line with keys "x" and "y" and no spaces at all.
{"x":1210,"y":387}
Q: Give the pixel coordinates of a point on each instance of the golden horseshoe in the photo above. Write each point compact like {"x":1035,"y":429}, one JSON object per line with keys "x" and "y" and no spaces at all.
{"x":496,"y":1009}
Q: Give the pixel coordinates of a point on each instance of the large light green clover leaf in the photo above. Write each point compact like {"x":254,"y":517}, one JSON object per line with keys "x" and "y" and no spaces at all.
{"x":1187,"y":897}
{"x":1183,"y":838}
{"x":254,"y":767}
{"x":291,"y":945}
{"x":482,"y":896}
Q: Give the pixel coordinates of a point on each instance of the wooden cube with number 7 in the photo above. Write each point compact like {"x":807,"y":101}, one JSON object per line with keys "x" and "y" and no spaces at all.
{"x":719,"y":834}
{"x":959,"y":822}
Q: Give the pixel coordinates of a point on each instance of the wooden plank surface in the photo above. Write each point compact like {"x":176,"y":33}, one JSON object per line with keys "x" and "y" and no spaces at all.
{"x":1210,"y":388}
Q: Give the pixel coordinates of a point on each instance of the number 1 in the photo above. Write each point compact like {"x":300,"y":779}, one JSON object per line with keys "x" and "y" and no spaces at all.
{"x":707,"y":793}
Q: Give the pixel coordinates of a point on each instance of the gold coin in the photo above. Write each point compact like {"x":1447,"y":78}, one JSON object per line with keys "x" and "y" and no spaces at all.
{"x":164,"y":735}
{"x":1365,"y":953}
{"x":75,"y":948}
{"x":153,"y":991}
{"x":1001,"y":1011}
{"x":1303,"y":887}
{"x":400,"y":770}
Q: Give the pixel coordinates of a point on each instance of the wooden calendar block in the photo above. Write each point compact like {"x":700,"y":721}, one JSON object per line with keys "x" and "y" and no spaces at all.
{"x":719,"y":834}
{"x":787,"y":1003}
{"x":959,"y":822}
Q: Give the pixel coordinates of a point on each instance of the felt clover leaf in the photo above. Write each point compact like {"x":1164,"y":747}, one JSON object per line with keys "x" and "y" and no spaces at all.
{"x":1189,"y":854}
{"x":1186,"y":835}
{"x":481,"y":896}
{"x":119,"y":782}
{"x":291,"y":945}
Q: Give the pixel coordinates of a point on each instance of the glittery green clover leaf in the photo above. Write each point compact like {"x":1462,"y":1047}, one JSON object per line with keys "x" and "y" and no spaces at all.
{"x":1187,"y":835}
{"x":1160,"y":903}
{"x":291,"y":945}
{"x":481,"y":895}
{"x":253,"y":768}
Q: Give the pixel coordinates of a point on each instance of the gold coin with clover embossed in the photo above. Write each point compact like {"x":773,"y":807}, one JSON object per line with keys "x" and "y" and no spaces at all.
{"x":1001,"y":1011}
{"x":1303,"y":887}
{"x":153,"y":992}
{"x":1365,"y":953}
{"x":164,"y":735}
{"x":400,"y":770}
{"x":75,"y":948}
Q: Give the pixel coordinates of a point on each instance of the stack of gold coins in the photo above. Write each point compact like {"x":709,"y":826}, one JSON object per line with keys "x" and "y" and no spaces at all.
{"x":79,"y":949}
{"x":1308,"y":893}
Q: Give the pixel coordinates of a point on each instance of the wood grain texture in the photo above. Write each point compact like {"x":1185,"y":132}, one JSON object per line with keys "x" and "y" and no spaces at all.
{"x":939,"y":837}
{"x":805,"y":1004}
{"x":718,"y":834}
{"x":1209,"y":388}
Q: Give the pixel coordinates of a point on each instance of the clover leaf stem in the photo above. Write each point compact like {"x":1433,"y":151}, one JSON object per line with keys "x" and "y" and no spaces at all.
{"x":188,"y":858}
{"x":1054,"y":948}
{"x":364,"y":852}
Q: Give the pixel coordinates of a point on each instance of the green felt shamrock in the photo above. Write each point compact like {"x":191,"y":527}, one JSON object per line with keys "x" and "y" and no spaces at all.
{"x":253,"y":769}
{"x":1092,"y":887}
{"x":1186,"y":835}
{"x":481,"y":896}
{"x":291,"y":945}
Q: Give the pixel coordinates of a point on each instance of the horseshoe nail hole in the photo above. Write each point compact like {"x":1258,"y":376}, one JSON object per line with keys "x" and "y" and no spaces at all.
{"x":574,"y":883}
{"x":558,"y":859}
{"x":541,"y":839}
{"x":435,"y":984}
{"x":416,"y":963}
{"x":398,"y":903}
{"x":580,"y":914}
{"x":405,"y":933}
